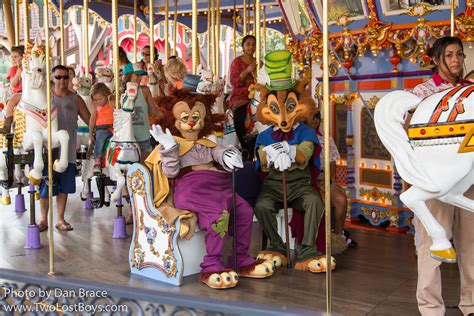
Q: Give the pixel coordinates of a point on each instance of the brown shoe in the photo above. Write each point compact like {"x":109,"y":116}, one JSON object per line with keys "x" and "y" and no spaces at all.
{"x":7,"y":125}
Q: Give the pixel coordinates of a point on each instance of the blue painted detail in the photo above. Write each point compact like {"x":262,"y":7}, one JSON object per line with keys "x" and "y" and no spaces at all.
{"x":381,"y":215}
{"x":149,"y":269}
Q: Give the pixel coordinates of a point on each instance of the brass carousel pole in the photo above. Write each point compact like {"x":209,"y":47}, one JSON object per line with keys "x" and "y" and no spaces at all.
{"x":85,"y":36}
{"x":50,"y":140}
{"x":217,"y":36}
{"x":209,"y":35}
{"x":327,"y":197}
{"x":213,"y":37}
{"x":152,"y":32}
{"x":7,"y":9}
{"x":195,"y":43}
{"x":135,"y":52}
{"x":61,"y":28}
{"x":234,"y":26}
{"x":26,"y":27}
{"x":167,"y":28}
{"x":264,"y":35}
{"x":257,"y":34}
{"x":116,"y":51}
{"x":16,"y":12}
{"x":175,"y":26}
{"x":452,"y":17}
{"x":245,"y":18}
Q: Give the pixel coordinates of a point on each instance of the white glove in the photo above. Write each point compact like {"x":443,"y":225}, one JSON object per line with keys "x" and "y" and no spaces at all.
{"x":165,"y":139}
{"x":233,"y":159}
{"x":282,"y":162}
{"x":274,"y":150}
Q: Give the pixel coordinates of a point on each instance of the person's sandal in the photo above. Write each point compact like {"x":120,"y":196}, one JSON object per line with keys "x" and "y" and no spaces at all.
{"x":64,"y":227}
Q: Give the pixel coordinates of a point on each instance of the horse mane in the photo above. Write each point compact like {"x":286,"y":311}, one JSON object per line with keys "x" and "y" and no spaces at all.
{"x":212,"y":122}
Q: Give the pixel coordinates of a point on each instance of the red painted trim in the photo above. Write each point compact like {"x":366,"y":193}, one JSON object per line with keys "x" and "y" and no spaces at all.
{"x":411,"y":83}
{"x":375,"y":85}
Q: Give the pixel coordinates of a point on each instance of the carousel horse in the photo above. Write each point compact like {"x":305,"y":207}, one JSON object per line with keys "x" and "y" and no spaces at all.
{"x":156,"y":81}
{"x":436,"y":156}
{"x":106,"y":76}
{"x":82,"y":85}
{"x":123,"y":148}
{"x":33,"y":105}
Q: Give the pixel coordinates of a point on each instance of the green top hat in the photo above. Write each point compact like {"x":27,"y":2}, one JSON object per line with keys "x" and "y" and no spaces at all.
{"x":278,"y":65}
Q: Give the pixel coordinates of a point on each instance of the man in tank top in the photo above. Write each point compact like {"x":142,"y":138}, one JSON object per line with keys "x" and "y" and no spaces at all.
{"x":69,"y":106}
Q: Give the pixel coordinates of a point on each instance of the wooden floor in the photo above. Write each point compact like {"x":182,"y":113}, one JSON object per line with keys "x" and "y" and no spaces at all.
{"x":376,"y":278}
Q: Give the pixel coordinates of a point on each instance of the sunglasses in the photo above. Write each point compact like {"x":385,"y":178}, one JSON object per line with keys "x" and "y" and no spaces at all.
{"x":146,"y":54}
{"x":58,"y":77}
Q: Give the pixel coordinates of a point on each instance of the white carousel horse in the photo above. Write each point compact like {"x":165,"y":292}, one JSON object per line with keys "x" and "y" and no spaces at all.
{"x":106,"y":76}
{"x":82,"y":85}
{"x":155,"y":77}
{"x":437,"y":155}
{"x":123,"y":149}
{"x":33,"y":104}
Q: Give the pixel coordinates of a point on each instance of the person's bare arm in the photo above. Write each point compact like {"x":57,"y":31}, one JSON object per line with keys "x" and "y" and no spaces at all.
{"x":92,"y":123}
{"x":83,"y":111}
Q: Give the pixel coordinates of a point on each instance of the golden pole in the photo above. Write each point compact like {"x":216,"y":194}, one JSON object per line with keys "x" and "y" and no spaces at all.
{"x":135,"y":57}
{"x":7,"y":9}
{"x":50,"y":139}
{"x":209,"y":35}
{"x":256,"y":26}
{"x":116,"y":52}
{"x":17,"y":22}
{"x":218,"y":39}
{"x":234,"y":26}
{"x":86,"y":37}
{"x":61,"y":28}
{"x":327,"y":198}
{"x":264,"y":36}
{"x":245,"y":18}
{"x":452,"y":17}
{"x":167,"y":28}
{"x":152,"y":32}
{"x":26,"y":30}
{"x":175,"y":26}
{"x":195,"y":43}
{"x":213,"y":31}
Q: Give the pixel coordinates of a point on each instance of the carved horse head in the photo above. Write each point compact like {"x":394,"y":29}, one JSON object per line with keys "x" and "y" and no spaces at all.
{"x":35,"y":65}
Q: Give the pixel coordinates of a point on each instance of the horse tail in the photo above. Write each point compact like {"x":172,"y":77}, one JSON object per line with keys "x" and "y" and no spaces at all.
{"x":389,"y":119}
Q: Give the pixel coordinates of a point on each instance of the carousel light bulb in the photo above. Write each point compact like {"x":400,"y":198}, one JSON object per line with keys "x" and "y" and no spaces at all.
{"x":470,"y":45}
{"x":374,"y":166}
{"x":362,"y":165}
{"x":271,"y":7}
{"x":387,"y":167}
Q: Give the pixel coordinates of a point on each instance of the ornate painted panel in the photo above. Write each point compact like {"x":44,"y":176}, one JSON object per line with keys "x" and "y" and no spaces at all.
{"x":371,"y":146}
{"x":340,"y":127}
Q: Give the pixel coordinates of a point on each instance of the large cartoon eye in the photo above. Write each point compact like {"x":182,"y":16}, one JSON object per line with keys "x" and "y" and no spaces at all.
{"x":184,"y":117}
{"x":290,"y":105}
{"x":196,"y":116}
{"x":274,"y":108}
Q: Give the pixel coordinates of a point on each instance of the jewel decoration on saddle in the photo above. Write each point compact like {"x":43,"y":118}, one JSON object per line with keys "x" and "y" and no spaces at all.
{"x":435,"y":156}
{"x":288,"y":149}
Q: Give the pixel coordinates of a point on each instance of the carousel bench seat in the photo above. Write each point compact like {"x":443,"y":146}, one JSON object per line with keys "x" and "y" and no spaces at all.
{"x":156,"y":251}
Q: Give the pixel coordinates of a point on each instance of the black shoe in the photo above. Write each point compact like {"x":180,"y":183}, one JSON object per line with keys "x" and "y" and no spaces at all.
{"x":351,"y":243}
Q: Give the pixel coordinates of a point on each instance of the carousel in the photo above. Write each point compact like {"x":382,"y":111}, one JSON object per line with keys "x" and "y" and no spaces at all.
{"x":199,"y":199}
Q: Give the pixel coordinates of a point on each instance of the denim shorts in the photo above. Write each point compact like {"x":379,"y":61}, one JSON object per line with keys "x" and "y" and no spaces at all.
{"x":65,"y":182}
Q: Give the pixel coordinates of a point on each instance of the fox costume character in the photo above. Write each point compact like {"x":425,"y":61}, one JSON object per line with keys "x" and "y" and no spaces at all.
{"x":201,"y":186}
{"x":289,"y":146}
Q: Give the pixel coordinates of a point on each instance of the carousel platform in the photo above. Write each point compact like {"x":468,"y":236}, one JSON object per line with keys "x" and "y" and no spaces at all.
{"x":376,"y":278}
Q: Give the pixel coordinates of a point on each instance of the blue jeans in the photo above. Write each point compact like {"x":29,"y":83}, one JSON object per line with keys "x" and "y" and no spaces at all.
{"x":101,"y":135}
